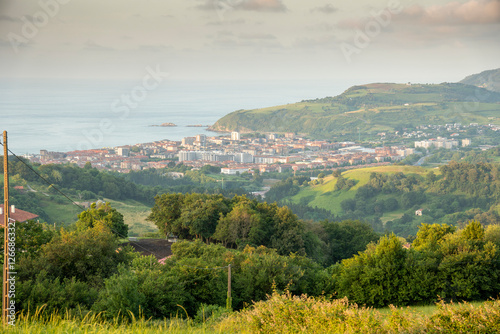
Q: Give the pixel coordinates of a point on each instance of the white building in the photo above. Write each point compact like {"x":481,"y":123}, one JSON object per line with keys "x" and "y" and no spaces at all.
{"x":439,"y":143}
{"x":186,"y":141}
{"x":234,"y":170}
{"x":235,"y":135}
{"x":243,"y":158}
{"x":204,"y":156}
{"x":123,"y":151}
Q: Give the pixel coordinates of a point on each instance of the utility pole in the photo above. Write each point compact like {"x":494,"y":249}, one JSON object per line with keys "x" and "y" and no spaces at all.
{"x":229,"y":301}
{"x":5,"y":292}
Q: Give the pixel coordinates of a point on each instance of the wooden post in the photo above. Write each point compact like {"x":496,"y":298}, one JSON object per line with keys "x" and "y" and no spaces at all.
{"x":229,"y":301}
{"x":5,"y":292}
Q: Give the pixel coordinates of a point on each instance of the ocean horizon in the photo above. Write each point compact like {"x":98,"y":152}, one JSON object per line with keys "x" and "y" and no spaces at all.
{"x":61,"y":115}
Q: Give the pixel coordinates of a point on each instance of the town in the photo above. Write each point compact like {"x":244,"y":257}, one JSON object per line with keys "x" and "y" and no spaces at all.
{"x":237,"y":153}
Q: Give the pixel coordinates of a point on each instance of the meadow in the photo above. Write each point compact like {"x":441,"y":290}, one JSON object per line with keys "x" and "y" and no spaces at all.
{"x":324,"y":196}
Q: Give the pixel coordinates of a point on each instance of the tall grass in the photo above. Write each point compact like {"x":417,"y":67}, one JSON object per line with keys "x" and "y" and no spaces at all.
{"x":302,"y":314}
{"x":283,"y":313}
{"x":90,"y":323}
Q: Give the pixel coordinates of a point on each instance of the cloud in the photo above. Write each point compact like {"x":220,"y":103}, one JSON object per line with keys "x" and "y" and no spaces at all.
{"x":8,"y":18}
{"x":455,"y":13}
{"x":260,"y":41}
{"x":470,"y":12}
{"x":263,"y":5}
{"x":226,"y":22}
{"x":257,"y":36}
{"x":326,"y":9}
{"x":93,"y":46}
{"x":325,"y":42}
{"x":247,"y":5}
{"x":155,"y":48}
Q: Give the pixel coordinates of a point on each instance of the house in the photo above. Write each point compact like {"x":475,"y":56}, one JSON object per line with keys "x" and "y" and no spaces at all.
{"x":19,"y":216}
{"x":418,"y":212}
{"x":19,"y":188}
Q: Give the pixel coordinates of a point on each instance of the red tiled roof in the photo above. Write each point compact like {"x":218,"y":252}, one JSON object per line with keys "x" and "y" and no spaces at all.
{"x":19,"y":215}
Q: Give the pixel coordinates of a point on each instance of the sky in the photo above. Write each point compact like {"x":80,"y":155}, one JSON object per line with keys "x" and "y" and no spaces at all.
{"x":206,"y":40}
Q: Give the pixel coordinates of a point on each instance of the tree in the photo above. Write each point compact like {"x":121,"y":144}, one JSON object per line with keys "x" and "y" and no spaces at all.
{"x":88,"y":255}
{"x":166,"y":212}
{"x":103,"y":216}
{"x":346,"y":238}
{"x":201,"y":213}
{"x":235,"y":228}
{"x":377,"y":276}
{"x":429,"y":236}
{"x":120,"y":296}
{"x":30,"y":236}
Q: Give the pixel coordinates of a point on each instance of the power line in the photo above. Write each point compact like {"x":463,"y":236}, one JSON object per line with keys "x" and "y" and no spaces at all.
{"x":69,"y":199}
{"x":412,"y":264}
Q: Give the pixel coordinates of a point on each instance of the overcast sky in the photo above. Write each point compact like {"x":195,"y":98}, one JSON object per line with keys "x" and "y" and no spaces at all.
{"x":362,"y":40}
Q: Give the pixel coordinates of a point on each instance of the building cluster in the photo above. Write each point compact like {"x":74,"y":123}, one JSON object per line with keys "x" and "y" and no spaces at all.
{"x":440,"y":142}
{"x":236,"y":154}
{"x":233,"y":153}
{"x":454,"y":130}
{"x":279,"y":153}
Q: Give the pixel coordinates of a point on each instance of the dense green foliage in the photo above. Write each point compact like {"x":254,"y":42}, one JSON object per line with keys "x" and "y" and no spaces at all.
{"x":235,"y":222}
{"x":102,"y":214}
{"x":453,"y":194}
{"x":460,"y":265}
{"x":88,"y":270}
{"x":68,"y":270}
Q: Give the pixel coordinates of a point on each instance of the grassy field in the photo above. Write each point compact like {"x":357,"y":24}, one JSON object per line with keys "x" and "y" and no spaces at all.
{"x":289,"y":314}
{"x":61,"y":214}
{"x":134,"y":215}
{"x":324,"y":196}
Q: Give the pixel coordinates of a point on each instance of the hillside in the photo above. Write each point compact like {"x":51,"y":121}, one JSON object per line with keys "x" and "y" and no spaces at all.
{"x":487,"y":79}
{"x":324,"y":196}
{"x":389,"y":196}
{"x":370,"y":109}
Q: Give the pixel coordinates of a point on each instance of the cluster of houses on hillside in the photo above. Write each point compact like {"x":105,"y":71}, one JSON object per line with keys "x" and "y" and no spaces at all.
{"x":236,"y":154}
{"x":232,"y":153}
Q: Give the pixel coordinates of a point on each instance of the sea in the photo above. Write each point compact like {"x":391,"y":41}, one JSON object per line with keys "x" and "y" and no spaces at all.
{"x":67,"y":115}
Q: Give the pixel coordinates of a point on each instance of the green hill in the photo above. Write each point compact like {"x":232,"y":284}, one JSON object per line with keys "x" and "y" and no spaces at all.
{"x":324,"y":196}
{"x":487,"y":79}
{"x":389,"y":196}
{"x":371,"y":109}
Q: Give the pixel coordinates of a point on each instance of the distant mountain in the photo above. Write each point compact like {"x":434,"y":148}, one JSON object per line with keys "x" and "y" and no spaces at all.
{"x":487,"y":79}
{"x":370,"y":109}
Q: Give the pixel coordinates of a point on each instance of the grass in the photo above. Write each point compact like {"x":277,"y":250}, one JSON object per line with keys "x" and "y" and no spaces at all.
{"x":324,"y":196}
{"x":134,"y":215}
{"x":428,"y":310}
{"x":294,"y":314}
{"x":284,"y":313}
{"x":392,"y":216}
{"x":60,"y":213}
{"x":95,"y":324}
